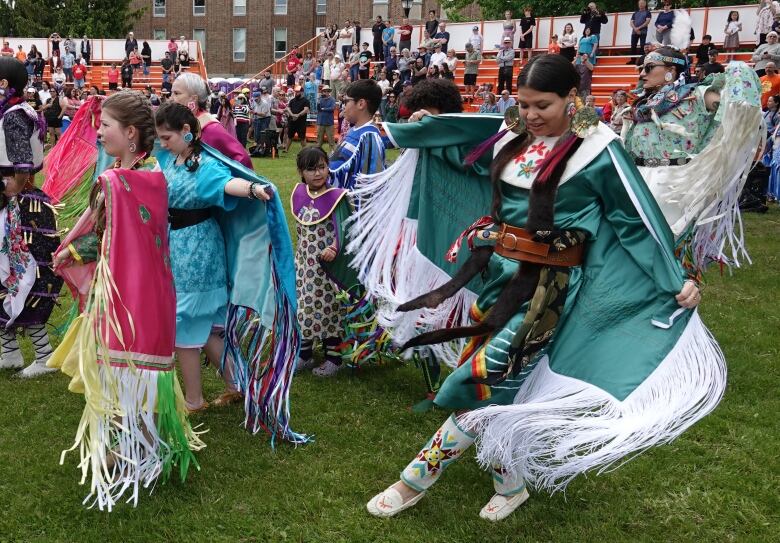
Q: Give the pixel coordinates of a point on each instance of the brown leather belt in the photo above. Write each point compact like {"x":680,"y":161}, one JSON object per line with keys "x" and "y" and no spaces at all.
{"x":518,"y":244}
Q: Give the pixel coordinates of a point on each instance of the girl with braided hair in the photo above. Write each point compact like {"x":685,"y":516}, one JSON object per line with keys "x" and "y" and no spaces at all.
{"x":119,"y":350}
{"x":572,"y":265}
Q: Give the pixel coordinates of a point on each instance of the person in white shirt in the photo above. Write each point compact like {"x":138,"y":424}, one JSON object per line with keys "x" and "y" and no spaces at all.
{"x":346,"y":39}
{"x":437,"y":58}
{"x":183,"y":45}
{"x":451,"y":60}
{"x":505,"y":102}
{"x":476,"y":39}
{"x":383,"y":83}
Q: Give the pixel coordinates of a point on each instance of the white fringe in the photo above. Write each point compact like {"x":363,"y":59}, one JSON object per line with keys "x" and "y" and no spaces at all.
{"x":705,"y":192}
{"x":561,"y":427}
{"x":392,"y":269}
{"x":129,"y":436}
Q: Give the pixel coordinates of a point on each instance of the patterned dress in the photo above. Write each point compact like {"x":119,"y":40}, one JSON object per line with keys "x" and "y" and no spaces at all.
{"x":320,"y":313}
{"x":198,"y":251}
{"x":40,"y":232}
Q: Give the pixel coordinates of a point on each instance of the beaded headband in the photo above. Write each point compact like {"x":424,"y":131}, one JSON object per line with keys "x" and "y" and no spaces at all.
{"x":666,"y":60}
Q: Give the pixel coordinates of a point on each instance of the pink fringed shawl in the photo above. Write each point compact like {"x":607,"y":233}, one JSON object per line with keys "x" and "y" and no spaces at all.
{"x":141,"y":304}
{"x":76,"y":152}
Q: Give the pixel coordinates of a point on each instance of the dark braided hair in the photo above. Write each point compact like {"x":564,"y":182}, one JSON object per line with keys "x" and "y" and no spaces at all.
{"x":174,"y":116}
{"x":543,"y":73}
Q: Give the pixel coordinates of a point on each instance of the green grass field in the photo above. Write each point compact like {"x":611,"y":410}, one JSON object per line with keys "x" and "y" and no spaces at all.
{"x":718,"y":482}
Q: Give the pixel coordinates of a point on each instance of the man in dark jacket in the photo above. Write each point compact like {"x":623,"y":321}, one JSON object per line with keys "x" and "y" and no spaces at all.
{"x":593,"y":18}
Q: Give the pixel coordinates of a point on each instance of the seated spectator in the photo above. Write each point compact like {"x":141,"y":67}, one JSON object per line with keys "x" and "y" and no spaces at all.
{"x":770,"y":83}
{"x":184,"y":58}
{"x":646,"y":50}
{"x":712,"y":66}
{"x":6,"y":51}
{"x":766,"y":53}
{"x":391,"y":109}
{"x":489,"y":105}
{"x":505,"y":102}
{"x":703,"y":49}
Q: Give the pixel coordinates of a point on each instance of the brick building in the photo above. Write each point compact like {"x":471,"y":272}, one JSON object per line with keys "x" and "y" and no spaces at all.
{"x":242,"y":37}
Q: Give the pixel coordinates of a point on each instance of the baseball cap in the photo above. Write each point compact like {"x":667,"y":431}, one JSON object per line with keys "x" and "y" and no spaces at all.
{"x":326,"y":88}
{"x":245,"y":90}
{"x":474,"y":28}
{"x":256,"y":94}
{"x":507,"y":40}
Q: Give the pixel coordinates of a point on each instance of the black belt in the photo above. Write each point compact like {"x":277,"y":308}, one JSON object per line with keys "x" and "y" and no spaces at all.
{"x":656,"y":162}
{"x":183,"y":218}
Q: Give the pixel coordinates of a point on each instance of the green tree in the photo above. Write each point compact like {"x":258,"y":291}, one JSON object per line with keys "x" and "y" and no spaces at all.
{"x":39,"y":18}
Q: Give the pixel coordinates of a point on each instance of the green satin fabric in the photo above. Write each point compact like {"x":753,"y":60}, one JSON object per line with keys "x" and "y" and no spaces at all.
{"x":606,"y":336}
{"x":447,"y":197}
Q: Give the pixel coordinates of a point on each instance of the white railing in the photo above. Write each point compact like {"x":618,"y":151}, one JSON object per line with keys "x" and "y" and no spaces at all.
{"x":103,"y":50}
{"x":615,"y":33}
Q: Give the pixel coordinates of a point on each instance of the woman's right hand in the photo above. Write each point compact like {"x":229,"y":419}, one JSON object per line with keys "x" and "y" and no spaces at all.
{"x":58,"y":259}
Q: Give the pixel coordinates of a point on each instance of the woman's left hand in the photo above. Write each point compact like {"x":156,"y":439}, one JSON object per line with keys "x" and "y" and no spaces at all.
{"x":261,"y":194}
{"x":328,"y":254}
{"x":418,"y":115}
{"x":690,"y":295}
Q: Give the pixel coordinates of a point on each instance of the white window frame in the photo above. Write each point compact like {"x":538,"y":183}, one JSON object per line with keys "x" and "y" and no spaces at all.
{"x":380,"y":3}
{"x":162,"y":33}
{"x":202,"y":43}
{"x":195,"y":9}
{"x":280,"y":54}
{"x":239,"y":56}
{"x":239,"y":8}
{"x":156,"y":11}
{"x":321,"y":7}
{"x":281,"y":7}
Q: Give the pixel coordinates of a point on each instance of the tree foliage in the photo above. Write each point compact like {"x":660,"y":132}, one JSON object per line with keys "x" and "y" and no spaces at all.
{"x":39,"y":18}
{"x":494,"y":9}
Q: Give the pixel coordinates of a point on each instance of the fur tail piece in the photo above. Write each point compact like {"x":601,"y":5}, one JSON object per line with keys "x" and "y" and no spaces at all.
{"x":680,"y":34}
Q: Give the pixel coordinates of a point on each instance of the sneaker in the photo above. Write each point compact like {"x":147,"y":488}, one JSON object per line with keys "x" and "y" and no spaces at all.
{"x":499,"y":507}
{"x":34,"y":370}
{"x":326,"y":369}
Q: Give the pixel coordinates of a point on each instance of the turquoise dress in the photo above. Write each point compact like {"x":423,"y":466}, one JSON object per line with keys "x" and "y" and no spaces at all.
{"x":198,"y":251}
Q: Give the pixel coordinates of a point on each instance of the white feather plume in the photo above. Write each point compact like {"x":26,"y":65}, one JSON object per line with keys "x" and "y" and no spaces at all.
{"x":680,"y":34}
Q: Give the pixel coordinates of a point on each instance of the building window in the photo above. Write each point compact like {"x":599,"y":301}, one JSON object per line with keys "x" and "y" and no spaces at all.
{"x":322,"y":7}
{"x":381,"y":2}
{"x":158,"y":9}
{"x":200,"y":35}
{"x":199,"y":7}
{"x":239,"y":7}
{"x":159,"y":34}
{"x":280,"y":42}
{"x":239,"y":44}
{"x":280,"y":7}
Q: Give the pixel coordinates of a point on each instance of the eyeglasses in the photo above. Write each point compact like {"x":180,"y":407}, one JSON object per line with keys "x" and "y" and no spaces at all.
{"x":647,"y":68}
{"x":317,"y":168}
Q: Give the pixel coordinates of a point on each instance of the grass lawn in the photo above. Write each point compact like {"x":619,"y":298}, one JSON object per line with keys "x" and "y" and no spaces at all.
{"x":718,"y":482}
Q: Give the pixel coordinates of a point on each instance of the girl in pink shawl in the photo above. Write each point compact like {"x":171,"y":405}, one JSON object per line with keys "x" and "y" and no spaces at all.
{"x":119,"y":351}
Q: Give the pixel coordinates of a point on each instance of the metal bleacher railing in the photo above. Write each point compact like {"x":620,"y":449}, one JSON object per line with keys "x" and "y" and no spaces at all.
{"x":611,"y":72}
